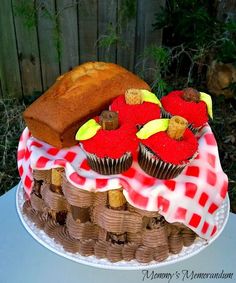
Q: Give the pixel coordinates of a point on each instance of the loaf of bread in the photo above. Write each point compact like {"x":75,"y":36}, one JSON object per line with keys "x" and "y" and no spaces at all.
{"x":74,"y":98}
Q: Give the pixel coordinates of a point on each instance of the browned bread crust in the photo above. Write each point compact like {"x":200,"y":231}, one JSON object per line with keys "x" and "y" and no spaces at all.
{"x":75,"y":97}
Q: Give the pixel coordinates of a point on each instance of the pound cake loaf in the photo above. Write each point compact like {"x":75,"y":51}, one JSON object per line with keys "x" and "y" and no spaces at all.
{"x":76,"y":96}
{"x":90,"y":186}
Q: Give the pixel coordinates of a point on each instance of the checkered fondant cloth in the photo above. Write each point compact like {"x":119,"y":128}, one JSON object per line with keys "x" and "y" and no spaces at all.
{"x":192,"y":198}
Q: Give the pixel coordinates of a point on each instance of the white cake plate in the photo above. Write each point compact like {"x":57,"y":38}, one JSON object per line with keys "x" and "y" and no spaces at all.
{"x":187,"y":252}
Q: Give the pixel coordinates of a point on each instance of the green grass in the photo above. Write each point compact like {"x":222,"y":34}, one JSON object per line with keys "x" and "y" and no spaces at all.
{"x":11,"y":127}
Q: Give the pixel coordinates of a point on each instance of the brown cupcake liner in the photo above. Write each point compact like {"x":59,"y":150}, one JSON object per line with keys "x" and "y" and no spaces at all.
{"x":156,"y":167}
{"x":165,"y":114}
{"x":110,"y":166}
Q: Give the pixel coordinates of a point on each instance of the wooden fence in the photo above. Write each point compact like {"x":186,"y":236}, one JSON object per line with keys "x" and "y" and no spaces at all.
{"x":41,"y":39}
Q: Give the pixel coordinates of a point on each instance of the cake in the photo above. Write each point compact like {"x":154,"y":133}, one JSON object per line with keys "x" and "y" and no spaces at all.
{"x":126,"y":216}
{"x":190,"y":104}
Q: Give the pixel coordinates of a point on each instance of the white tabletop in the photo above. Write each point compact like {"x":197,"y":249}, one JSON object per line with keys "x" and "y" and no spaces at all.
{"x":23,"y":259}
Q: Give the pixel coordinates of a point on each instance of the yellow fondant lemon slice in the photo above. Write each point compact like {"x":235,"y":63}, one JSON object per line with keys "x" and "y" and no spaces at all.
{"x":150,"y":97}
{"x":152,"y":127}
{"x":207,"y":99}
{"x":87,"y":130}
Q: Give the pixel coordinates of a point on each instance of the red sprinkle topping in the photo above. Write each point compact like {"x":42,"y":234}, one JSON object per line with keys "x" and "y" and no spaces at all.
{"x":194,"y":112}
{"x":135,"y":114}
{"x":171,"y":150}
{"x":113,"y":143}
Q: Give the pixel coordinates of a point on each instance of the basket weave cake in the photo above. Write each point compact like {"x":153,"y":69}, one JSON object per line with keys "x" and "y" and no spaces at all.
{"x":97,"y":194}
{"x":96,"y":229}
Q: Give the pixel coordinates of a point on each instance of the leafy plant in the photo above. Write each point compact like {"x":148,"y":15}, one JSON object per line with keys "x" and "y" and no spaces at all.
{"x":226,"y":51}
{"x":195,"y":37}
{"x":47,"y":13}
{"x":189,"y":21}
{"x":112,"y":36}
{"x":161,"y":59}
{"x":27,"y":11}
{"x":127,"y":11}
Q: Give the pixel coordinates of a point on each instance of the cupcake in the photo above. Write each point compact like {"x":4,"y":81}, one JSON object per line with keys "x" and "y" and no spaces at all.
{"x":109,"y":146}
{"x":166,"y":147}
{"x":137,"y":106}
{"x":190,"y":104}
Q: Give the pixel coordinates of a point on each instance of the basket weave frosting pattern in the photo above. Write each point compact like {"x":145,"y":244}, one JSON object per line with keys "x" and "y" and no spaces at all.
{"x":99,"y":230}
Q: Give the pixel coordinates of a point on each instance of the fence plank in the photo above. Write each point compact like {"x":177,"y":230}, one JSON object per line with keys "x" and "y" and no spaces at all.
{"x":126,"y":45}
{"x":145,"y":35}
{"x":107,"y":19}
{"x":88,"y":29}
{"x":76,"y":25}
{"x":67,"y":12}
{"x":48,"y":40}
{"x":9,"y":65}
{"x":28,"y":53}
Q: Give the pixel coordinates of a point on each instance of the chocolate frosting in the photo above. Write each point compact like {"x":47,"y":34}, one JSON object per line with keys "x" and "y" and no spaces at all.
{"x":38,"y":218}
{"x":155,"y":237}
{"x":82,"y":231}
{"x":102,"y":234}
{"x":129,"y":251}
{"x":55,"y":201}
{"x":175,"y":242}
{"x":114,"y":252}
{"x":41,"y":220}
{"x":28,"y":210}
{"x":117,"y":221}
{"x":88,"y":239}
{"x":62,"y":236}
{"x":100,"y":249}
{"x":142,"y":212}
{"x":50,"y":227}
{"x":144,"y":254}
{"x":42,"y":175}
{"x":188,"y":237}
{"x":161,"y":253}
{"x":75,"y":196}
{"x":80,"y":214}
{"x":135,"y":238}
{"x":100,"y":198}
{"x":95,"y":228}
{"x":87,"y":247}
{"x":37,"y":202}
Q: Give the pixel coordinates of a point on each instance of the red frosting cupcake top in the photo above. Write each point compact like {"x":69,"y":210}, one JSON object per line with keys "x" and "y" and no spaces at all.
{"x":137,"y":113}
{"x":195,"y":112}
{"x":171,"y":150}
{"x":113,"y":143}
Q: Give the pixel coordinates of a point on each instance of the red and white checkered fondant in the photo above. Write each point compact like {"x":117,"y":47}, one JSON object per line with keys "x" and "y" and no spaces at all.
{"x":192,"y":198}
